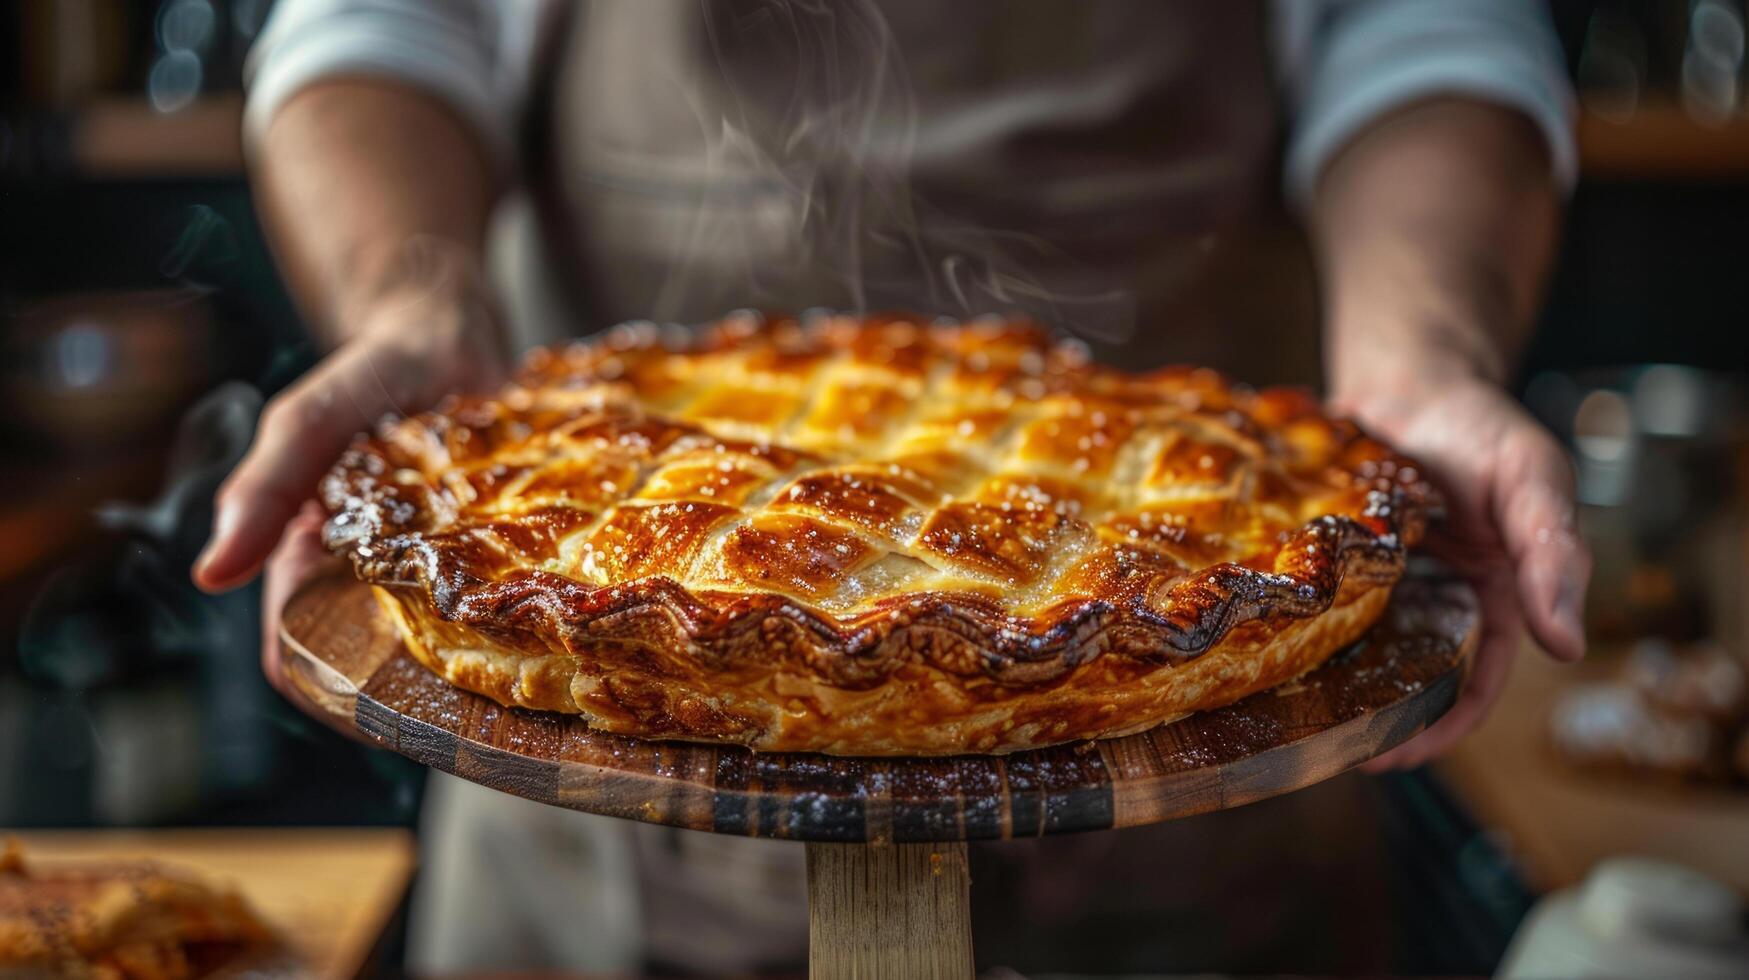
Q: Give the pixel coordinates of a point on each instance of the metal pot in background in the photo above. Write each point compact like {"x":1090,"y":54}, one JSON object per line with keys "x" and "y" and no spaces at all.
{"x":1662,"y":458}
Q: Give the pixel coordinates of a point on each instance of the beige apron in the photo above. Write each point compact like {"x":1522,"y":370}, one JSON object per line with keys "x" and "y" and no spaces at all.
{"x":1084,"y":163}
{"x":1076,"y":161}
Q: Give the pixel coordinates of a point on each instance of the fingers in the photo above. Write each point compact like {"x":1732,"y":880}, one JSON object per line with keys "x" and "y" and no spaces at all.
{"x":1511,"y":530}
{"x":1533,"y":510}
{"x":298,"y":557}
{"x":1486,"y":680}
{"x":300,"y":434}
{"x":1498,"y":645}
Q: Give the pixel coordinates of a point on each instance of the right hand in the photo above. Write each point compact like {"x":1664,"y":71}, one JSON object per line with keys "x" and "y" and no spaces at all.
{"x":408,"y":347}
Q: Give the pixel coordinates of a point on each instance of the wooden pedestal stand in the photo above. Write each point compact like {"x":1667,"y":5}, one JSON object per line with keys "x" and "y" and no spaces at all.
{"x":887,"y":880}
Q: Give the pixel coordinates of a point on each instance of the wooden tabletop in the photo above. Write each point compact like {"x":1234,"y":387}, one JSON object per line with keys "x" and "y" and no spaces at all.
{"x":348,"y":662}
{"x":1558,"y":822}
{"x":329,"y":893}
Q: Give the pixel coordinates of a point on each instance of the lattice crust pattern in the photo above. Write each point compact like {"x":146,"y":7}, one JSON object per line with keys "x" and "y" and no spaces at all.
{"x":743,"y":533}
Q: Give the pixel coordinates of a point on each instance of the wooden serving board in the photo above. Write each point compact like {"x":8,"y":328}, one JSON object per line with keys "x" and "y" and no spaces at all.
{"x":344,"y":654}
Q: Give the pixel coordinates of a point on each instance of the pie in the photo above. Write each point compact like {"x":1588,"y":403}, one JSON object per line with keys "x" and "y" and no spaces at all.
{"x":118,"y":921}
{"x":872,"y":536}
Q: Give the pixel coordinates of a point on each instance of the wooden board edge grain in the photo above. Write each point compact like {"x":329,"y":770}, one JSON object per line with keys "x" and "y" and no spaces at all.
{"x":1366,"y":700}
{"x":334,"y":613}
{"x":1284,"y":768}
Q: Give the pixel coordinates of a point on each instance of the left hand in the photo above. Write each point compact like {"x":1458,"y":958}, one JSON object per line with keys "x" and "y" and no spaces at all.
{"x":1509,"y":528}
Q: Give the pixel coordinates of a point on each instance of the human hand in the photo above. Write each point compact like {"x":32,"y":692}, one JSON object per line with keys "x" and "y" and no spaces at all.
{"x":1509,"y":529}
{"x":409,"y":347}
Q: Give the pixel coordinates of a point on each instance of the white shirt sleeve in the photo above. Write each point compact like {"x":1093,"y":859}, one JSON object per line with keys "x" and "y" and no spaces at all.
{"x":1344,"y":63}
{"x":472,"y":54}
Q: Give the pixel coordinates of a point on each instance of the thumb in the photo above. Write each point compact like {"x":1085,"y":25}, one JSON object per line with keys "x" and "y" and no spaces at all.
{"x":1533,"y":509}
{"x":301,"y":433}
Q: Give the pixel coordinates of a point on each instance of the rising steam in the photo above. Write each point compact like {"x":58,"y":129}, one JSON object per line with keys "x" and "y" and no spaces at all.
{"x":840,"y":154}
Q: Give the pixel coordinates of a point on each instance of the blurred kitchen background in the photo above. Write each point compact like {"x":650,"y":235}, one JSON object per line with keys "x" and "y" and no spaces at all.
{"x":137,"y":297}
{"x":142,"y":323}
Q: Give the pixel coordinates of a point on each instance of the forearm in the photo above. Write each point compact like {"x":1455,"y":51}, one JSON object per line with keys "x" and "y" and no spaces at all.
{"x":1433,"y":231}
{"x":349,"y":172}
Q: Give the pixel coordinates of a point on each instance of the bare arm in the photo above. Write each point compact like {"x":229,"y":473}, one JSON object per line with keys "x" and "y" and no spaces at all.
{"x":1434,"y":230}
{"x":376,"y":200}
{"x":352,"y":170}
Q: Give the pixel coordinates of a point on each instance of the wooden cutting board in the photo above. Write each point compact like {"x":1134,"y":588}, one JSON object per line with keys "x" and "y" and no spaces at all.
{"x":328,"y":893}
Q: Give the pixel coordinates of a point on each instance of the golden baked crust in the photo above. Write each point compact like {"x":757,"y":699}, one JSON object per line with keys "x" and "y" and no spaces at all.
{"x":116,"y":921}
{"x":872,"y":536}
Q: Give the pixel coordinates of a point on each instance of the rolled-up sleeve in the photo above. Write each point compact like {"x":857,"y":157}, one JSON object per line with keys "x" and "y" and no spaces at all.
{"x":461,"y":51}
{"x":1348,"y":62}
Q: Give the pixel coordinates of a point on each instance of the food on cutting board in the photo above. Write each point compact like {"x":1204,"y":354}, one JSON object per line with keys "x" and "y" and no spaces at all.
{"x":117,"y":921}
